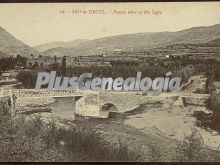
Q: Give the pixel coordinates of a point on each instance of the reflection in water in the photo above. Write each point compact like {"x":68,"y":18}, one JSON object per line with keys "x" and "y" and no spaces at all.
{"x":64,"y":108}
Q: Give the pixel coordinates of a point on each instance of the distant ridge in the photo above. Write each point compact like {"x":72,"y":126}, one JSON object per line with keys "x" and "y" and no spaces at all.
{"x":127,"y":42}
{"x":51,"y":45}
{"x":140,"y":41}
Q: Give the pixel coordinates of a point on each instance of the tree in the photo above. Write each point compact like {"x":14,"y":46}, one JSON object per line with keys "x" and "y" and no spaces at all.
{"x":31,"y":56}
{"x":55,"y":59}
{"x":30,"y":64}
{"x":63,"y":66}
{"x":18,"y":57}
{"x":35,"y":65}
{"x":7,"y":63}
{"x":41,"y":65}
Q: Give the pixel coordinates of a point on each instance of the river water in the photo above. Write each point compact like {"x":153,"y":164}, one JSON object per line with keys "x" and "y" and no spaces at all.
{"x":63,"y":108}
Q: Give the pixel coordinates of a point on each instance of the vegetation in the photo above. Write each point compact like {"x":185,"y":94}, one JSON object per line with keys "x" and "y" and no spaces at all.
{"x":23,"y":140}
{"x":63,"y":66}
{"x":192,"y":149}
{"x":211,"y":120}
{"x":6,"y":64}
{"x":28,"y":78}
{"x":33,"y":140}
{"x":213,"y":103}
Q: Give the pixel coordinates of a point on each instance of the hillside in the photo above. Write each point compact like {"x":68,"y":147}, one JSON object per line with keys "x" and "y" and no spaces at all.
{"x":10,"y":45}
{"x":51,"y":45}
{"x":141,"y":41}
{"x":210,"y":48}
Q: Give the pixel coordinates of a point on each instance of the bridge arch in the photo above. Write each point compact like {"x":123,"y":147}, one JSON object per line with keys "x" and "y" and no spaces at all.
{"x":109,"y":107}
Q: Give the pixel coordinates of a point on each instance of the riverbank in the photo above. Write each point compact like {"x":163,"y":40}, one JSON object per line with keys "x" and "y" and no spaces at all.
{"x":151,"y":129}
{"x":172,"y":122}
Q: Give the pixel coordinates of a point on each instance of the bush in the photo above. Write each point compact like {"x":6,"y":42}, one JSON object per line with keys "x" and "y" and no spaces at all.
{"x":190,"y":148}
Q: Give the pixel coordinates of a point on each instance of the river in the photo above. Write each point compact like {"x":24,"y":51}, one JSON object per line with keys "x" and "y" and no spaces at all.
{"x":63,"y":108}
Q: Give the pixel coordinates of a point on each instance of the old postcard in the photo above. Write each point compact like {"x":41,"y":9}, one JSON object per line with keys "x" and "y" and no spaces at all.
{"x":110,"y":82}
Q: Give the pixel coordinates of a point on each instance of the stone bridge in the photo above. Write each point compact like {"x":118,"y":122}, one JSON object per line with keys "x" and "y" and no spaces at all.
{"x":102,"y":103}
{"x":99,"y":104}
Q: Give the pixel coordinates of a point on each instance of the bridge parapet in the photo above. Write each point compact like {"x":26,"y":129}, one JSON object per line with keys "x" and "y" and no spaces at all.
{"x":49,"y":93}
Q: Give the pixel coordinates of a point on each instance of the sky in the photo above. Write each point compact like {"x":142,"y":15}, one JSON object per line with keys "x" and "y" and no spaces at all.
{"x":37,"y":23}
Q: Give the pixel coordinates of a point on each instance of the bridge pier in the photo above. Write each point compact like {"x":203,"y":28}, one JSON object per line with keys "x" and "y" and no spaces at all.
{"x":88,"y":105}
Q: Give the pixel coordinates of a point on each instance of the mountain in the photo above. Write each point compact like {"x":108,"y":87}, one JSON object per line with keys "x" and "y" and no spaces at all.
{"x":127,"y":42}
{"x":198,"y":34}
{"x":51,"y":45}
{"x":10,"y":45}
{"x":140,"y":41}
